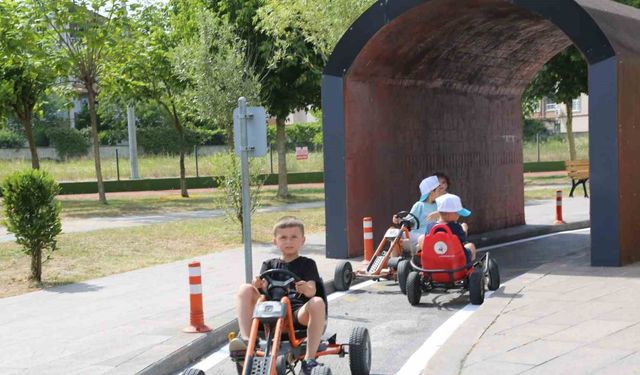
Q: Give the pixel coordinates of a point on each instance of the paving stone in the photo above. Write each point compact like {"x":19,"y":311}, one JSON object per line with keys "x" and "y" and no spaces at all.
{"x":494,"y":345}
{"x":495,"y":368}
{"x":589,"y":331}
{"x":579,"y":361}
{"x":629,"y":365}
{"x":537,"y":352}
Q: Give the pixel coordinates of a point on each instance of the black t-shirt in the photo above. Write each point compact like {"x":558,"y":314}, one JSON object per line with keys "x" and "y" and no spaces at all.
{"x":456,"y":229}
{"x":305,"y":268}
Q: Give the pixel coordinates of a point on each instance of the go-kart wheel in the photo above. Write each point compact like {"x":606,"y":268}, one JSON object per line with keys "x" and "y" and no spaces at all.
{"x":195,"y":371}
{"x":393,"y":263}
{"x":360,"y":351}
{"x":476,"y":287}
{"x":281,"y":365}
{"x":404,"y":267}
{"x":343,"y":276}
{"x":414,"y":289}
{"x":494,"y":275}
{"x":321,"y":370}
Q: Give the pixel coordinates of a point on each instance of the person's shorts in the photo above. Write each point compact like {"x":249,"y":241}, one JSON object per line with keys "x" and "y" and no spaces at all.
{"x":294,"y":311}
{"x":467,"y":254}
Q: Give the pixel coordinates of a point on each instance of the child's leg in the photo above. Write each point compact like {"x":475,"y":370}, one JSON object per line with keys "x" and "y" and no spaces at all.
{"x":246,"y":300}
{"x":472,"y":248}
{"x":312,"y":315}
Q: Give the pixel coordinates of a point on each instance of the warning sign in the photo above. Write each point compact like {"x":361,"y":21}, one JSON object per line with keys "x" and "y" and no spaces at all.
{"x":302,"y":153}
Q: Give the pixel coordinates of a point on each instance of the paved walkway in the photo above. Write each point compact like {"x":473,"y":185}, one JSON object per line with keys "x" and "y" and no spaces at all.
{"x":124,"y":323}
{"x":560,"y":318}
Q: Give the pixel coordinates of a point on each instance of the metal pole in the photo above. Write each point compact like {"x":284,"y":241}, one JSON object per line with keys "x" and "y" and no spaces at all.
{"x":195,"y":151}
{"x":133,"y":144}
{"x":117,"y":165}
{"x":244,"y":161}
{"x":538,"y":143}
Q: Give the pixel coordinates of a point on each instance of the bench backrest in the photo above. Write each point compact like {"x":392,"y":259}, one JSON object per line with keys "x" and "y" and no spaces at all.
{"x":577,"y":165}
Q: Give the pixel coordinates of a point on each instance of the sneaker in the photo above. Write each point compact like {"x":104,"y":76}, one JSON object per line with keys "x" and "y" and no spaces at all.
{"x":238,"y":347}
{"x":307,"y":366}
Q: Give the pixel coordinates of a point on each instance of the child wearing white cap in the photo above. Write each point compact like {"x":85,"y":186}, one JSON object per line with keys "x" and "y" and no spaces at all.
{"x":429,"y":191}
{"x":450,"y":209}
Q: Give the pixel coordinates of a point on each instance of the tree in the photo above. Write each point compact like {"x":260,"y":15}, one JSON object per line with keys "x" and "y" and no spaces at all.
{"x":33,"y":214}
{"x":214,"y":62}
{"x":562,"y":79}
{"x":144,"y":66}
{"x":290,"y":78}
{"x":321,"y":22}
{"x":29,"y":65}
{"x":85,"y":29}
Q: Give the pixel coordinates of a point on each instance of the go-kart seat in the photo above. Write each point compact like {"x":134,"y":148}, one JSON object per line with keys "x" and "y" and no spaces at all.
{"x":442,"y":250}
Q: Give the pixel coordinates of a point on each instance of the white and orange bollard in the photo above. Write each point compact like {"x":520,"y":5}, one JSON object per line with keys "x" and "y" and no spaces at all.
{"x":559,"y":208}
{"x":367,"y":229}
{"x":195,"y":298}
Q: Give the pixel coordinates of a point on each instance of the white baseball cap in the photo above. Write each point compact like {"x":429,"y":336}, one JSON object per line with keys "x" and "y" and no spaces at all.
{"x":427,"y":186}
{"x":451,"y":203}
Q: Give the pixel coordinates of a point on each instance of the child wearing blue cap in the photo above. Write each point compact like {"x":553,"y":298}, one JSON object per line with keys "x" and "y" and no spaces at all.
{"x":450,"y":209}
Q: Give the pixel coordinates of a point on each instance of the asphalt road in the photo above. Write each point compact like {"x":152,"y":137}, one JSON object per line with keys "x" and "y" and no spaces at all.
{"x":397,"y":329}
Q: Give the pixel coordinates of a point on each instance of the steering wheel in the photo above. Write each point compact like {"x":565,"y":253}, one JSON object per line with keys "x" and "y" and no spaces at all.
{"x":274,"y":285}
{"x":408,"y":219}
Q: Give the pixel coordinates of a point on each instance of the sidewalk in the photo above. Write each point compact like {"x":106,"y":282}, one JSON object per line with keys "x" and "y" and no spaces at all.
{"x":560,"y":318}
{"x":131,"y":322}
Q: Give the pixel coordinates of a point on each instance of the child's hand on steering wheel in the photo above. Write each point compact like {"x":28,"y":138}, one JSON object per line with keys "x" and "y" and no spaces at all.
{"x":259,"y":283}
{"x":305,"y":288}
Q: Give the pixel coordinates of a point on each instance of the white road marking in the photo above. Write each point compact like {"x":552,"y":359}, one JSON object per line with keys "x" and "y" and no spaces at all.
{"x":221,"y":354}
{"x":418,"y":361}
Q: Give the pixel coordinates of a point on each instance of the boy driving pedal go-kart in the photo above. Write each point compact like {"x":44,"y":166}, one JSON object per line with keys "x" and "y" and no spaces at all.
{"x":388,"y":261}
{"x":447,"y":260}
{"x":282,"y":316}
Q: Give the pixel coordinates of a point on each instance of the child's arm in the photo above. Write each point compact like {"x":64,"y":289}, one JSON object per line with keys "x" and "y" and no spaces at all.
{"x":307,"y":288}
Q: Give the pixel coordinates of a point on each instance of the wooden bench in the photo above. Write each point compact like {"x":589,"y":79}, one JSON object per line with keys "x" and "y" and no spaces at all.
{"x":578,"y":171}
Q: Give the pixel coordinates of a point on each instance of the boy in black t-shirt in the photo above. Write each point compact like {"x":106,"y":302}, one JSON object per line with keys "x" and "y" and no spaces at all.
{"x":450,"y":209}
{"x":307,"y":307}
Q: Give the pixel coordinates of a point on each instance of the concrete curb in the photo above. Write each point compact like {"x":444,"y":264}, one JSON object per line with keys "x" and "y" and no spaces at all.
{"x":203,"y":345}
{"x":198,"y":348}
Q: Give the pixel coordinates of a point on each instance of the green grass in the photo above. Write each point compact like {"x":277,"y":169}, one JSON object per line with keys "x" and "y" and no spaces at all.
{"x":555,"y":149}
{"x":83,"y":169}
{"x":83,"y":256}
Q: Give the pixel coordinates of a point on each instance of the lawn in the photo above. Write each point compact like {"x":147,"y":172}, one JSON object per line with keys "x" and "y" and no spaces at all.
{"x":88,"y":255}
{"x":555,"y":149}
{"x":83,"y":169}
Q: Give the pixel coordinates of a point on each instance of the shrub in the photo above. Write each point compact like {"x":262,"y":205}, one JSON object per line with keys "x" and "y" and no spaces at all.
{"x":112,"y":137}
{"x":165,"y":140}
{"x":10,"y":139}
{"x":32,"y":214}
{"x":298,"y":135}
{"x":532,"y":127}
{"x":69,"y":142}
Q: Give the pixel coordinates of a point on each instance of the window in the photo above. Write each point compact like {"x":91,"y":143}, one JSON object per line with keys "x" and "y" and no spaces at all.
{"x":550,"y":107}
{"x":576,"y":105}
{"x":536,"y":107}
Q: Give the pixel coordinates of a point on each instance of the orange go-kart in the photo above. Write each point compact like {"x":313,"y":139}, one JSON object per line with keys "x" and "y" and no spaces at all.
{"x":276,"y":344}
{"x":446,"y":267}
{"x":382,"y":264}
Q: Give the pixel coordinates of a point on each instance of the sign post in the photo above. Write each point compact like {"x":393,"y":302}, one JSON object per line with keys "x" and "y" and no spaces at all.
{"x":250,"y":138}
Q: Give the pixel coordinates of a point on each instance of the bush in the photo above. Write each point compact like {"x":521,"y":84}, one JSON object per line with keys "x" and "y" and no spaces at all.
{"x":298,"y":135}
{"x":9,"y":139}
{"x":532,"y":127}
{"x":69,"y":142}
{"x":165,"y":140}
{"x":112,"y":137}
{"x":32,"y":214}
{"x":40,"y":136}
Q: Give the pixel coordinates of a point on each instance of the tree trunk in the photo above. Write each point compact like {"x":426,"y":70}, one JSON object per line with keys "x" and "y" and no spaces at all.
{"x":572,"y":141}
{"x":36,"y":265}
{"x":102,"y":197}
{"x":28,"y":131}
{"x":183,"y":174}
{"x":283,"y":190}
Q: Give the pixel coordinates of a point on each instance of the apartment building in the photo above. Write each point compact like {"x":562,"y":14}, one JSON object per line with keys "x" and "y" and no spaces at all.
{"x":555,"y":114}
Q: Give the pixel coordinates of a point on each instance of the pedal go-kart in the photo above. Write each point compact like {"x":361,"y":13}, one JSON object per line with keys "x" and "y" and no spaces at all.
{"x":446,"y":267}
{"x":382,"y":265}
{"x":276,"y":345}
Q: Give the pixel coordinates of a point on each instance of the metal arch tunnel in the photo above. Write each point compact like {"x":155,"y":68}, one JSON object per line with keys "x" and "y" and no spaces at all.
{"x":416,"y":86}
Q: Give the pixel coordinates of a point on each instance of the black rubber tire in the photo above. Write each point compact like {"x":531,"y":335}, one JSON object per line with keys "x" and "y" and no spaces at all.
{"x":494,"y":275}
{"x":360,"y":351}
{"x":404,"y":267}
{"x":476,"y":287}
{"x":195,"y":371}
{"x":281,"y":365}
{"x":393,"y":262}
{"x":414,"y":289}
{"x":321,"y":370}
{"x":343,"y":276}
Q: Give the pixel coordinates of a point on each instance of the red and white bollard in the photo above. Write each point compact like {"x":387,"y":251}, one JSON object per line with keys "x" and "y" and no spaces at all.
{"x":367,"y":229}
{"x":195,"y":298}
{"x":559,"y":208}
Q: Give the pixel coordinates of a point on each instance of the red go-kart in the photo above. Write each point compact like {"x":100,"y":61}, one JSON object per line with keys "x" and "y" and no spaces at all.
{"x":443,"y":265}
